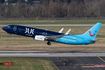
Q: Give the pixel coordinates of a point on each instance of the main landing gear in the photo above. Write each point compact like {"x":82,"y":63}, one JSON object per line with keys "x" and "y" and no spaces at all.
{"x":48,"y":43}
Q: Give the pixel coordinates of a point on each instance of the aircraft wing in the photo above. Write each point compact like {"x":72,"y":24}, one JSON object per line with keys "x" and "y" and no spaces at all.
{"x":51,"y":38}
{"x":57,"y":36}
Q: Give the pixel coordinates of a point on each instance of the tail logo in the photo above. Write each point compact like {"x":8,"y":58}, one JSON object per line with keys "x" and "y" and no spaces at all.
{"x":91,"y":34}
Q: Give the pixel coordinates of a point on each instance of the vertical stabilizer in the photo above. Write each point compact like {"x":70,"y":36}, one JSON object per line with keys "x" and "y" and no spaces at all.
{"x":92,"y":32}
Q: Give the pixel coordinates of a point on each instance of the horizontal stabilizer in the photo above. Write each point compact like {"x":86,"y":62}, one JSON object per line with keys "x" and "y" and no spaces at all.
{"x":61,"y":30}
{"x":93,"y":40}
{"x":68,"y":32}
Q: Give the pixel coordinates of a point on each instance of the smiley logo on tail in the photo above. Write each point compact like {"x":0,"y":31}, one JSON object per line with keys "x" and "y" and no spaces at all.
{"x":93,"y":34}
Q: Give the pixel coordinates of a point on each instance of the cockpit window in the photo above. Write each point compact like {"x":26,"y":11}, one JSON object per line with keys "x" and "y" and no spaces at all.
{"x":8,"y":26}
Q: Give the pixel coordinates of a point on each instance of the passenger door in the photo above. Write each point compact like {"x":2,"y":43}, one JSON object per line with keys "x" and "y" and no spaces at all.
{"x":15,"y":29}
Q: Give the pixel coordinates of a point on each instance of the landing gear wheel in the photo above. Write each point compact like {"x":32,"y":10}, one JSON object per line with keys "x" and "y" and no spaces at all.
{"x":48,"y":43}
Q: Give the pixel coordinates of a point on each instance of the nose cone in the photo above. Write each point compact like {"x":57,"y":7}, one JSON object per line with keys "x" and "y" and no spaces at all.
{"x":4,"y":28}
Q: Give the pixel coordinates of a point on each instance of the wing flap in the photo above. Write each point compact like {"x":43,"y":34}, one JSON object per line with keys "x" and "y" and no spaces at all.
{"x":53,"y":37}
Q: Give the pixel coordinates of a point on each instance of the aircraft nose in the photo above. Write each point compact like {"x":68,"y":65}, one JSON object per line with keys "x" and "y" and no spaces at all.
{"x":3,"y":28}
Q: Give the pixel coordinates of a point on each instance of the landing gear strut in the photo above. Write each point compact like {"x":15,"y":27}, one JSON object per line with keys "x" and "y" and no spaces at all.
{"x":48,"y":43}
{"x":10,"y":35}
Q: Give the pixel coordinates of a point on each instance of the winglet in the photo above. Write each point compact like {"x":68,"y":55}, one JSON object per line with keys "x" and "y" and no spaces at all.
{"x":61,"y":30}
{"x":68,"y":32}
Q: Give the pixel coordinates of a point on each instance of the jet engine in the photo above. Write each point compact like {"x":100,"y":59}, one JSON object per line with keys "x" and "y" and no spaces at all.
{"x":39,"y":38}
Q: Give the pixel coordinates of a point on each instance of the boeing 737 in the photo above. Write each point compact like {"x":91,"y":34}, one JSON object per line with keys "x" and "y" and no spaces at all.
{"x":51,"y":36}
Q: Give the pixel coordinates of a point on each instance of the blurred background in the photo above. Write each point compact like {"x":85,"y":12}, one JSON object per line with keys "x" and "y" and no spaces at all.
{"x":51,"y":9}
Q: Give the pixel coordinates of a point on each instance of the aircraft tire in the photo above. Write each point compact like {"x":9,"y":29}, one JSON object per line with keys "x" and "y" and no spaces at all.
{"x":48,"y":43}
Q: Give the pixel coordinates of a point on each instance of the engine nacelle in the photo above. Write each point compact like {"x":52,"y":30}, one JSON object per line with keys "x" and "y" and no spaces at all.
{"x":39,"y":38}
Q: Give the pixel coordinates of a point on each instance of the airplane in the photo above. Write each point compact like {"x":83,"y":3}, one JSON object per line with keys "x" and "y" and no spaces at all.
{"x":51,"y":36}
